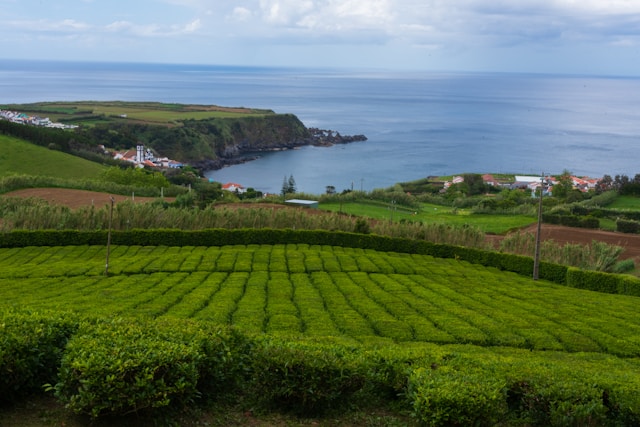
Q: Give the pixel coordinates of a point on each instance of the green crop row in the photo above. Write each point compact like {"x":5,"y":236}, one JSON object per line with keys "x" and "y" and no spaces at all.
{"x":290,"y":262}
{"x":112,"y":366}
{"x":417,"y":298}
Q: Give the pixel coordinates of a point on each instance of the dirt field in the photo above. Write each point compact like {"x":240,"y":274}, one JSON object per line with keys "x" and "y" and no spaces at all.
{"x":560,"y":234}
{"x":77,"y":198}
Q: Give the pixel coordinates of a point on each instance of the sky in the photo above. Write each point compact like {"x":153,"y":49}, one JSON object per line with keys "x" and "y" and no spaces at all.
{"x":540,"y":36}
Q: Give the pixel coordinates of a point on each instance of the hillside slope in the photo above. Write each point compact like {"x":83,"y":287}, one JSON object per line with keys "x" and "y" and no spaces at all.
{"x":23,"y":158}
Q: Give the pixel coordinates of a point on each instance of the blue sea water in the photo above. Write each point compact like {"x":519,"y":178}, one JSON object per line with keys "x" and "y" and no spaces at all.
{"x":418,"y":123}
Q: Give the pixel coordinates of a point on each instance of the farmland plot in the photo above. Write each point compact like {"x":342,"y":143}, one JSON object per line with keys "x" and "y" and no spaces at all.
{"x":320,"y":291}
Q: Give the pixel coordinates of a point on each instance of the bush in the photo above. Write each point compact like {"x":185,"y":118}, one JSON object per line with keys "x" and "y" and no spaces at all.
{"x":117,"y":367}
{"x":625,"y":226}
{"x":450,"y":397}
{"x":623,"y":266}
{"x":31,"y":347}
{"x":307,"y":380}
{"x":592,"y":280}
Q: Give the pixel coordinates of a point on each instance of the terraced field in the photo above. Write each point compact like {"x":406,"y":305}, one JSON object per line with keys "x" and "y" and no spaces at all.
{"x":351,"y":295}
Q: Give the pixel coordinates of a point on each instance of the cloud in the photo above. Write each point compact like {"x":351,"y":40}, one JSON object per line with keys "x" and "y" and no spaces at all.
{"x":43,"y":25}
{"x":267,"y":29}
{"x":240,"y":14}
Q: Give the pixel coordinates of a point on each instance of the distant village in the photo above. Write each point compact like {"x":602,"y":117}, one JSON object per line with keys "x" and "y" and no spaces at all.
{"x":24,"y":119}
{"x":532,"y":183}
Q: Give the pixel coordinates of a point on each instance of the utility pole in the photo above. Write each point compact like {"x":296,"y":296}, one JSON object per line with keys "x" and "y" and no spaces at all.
{"x":536,"y":258}
{"x":106,"y":266}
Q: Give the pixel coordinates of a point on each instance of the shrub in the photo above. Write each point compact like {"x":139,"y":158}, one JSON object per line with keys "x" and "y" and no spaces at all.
{"x":362,"y":226}
{"x":31,"y":347}
{"x":592,"y":280}
{"x":117,"y":367}
{"x":625,"y":226}
{"x":464,"y":397}
{"x":307,"y":380}
{"x":623,"y":266}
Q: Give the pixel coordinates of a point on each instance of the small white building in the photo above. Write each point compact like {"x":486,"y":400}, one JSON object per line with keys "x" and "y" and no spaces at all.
{"x":304,"y":203}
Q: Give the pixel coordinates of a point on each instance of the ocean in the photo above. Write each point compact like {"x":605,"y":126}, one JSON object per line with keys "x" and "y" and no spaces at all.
{"x":417,"y":123}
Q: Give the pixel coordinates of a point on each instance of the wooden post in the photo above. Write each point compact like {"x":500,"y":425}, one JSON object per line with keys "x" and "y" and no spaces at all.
{"x":106,"y":266}
{"x":536,"y":258}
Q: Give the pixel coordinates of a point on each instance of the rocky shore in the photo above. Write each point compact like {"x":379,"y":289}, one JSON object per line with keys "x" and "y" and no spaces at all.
{"x":239,"y":154}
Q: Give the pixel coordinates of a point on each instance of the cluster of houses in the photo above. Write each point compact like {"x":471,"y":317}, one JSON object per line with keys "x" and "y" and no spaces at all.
{"x":142,"y":157}
{"x":532,"y":183}
{"x":234,"y":188}
{"x":25,"y":119}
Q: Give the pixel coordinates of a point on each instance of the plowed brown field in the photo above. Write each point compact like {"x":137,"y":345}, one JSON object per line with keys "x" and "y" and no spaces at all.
{"x":77,"y":198}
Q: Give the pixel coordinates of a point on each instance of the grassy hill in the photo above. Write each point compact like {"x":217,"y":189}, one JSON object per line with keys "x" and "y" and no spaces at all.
{"x":23,"y":158}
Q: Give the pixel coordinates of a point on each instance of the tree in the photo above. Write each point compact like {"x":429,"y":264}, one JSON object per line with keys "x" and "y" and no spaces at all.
{"x":292,"y":184}
{"x":605,"y":184}
{"x":288,"y":185}
{"x":564,"y":186}
{"x":475,"y":184}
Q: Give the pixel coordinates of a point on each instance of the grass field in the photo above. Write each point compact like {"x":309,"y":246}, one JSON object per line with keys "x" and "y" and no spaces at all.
{"x":20,"y":157}
{"x":494,"y":224}
{"x":625,"y":202}
{"x":86,"y":112}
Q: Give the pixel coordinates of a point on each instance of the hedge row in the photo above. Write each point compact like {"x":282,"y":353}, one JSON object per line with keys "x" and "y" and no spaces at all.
{"x":572,"y":220}
{"x":219,"y":237}
{"x":604,"y":212}
{"x":113,"y":367}
{"x":625,"y":226}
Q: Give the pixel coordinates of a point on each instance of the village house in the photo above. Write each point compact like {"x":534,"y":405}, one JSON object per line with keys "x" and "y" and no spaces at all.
{"x":233,"y":187}
{"x":142,"y":157}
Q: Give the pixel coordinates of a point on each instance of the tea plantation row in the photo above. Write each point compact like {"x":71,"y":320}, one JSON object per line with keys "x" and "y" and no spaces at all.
{"x":117,"y":366}
{"x":300,"y":290}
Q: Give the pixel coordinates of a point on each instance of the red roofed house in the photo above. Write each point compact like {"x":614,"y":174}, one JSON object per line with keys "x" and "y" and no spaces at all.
{"x":233,"y":187}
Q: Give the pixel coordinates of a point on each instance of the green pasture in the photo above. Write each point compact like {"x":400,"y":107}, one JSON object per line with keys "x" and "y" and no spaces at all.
{"x":144,"y":111}
{"x":23,"y":158}
{"x":625,"y":202}
{"x":349,"y":295}
{"x":166,"y":116}
{"x":494,"y":224}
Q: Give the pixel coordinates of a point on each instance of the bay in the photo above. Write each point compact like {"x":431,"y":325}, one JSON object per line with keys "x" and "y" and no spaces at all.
{"x":418,"y":123}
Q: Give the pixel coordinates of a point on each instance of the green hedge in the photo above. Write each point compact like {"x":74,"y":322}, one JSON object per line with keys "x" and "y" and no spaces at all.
{"x":572,"y":220}
{"x":31,"y":346}
{"x":121,"y":366}
{"x":117,"y":366}
{"x":627,"y":226}
{"x":603,"y":282}
{"x":522,"y":265}
{"x":306,"y":379}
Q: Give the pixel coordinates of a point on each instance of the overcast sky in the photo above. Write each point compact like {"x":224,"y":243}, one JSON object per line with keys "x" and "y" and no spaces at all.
{"x":557,"y":36}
